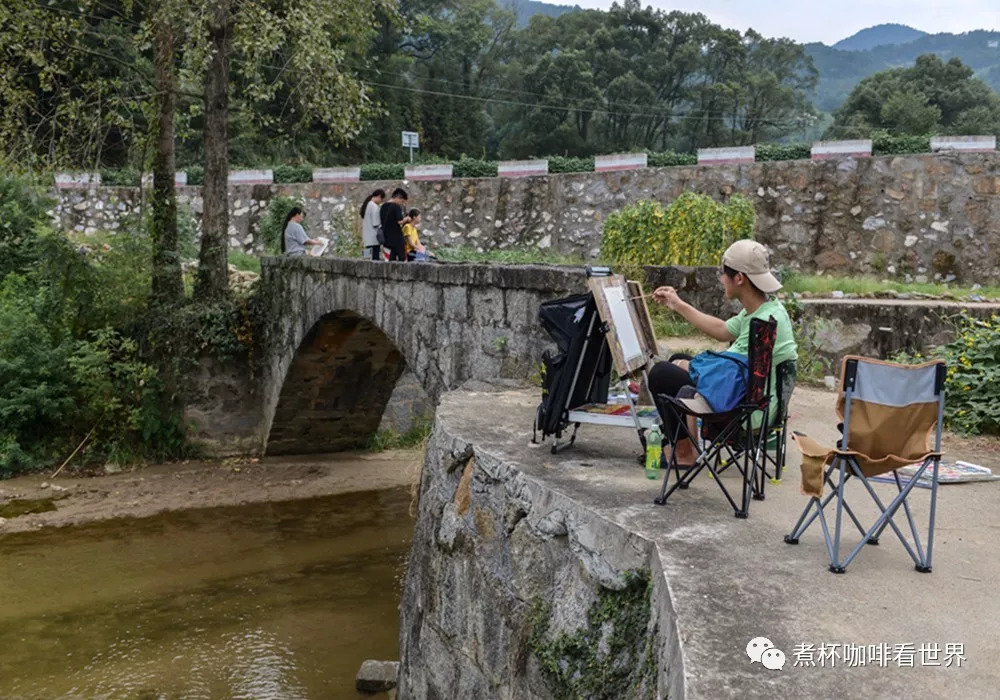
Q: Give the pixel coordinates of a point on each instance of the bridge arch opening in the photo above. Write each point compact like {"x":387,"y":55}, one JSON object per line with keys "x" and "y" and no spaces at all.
{"x":337,"y":387}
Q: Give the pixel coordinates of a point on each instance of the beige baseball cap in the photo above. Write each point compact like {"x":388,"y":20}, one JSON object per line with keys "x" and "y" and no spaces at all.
{"x":752,"y":259}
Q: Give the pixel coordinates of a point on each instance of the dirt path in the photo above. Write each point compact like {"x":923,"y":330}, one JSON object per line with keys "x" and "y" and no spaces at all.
{"x":166,"y":487}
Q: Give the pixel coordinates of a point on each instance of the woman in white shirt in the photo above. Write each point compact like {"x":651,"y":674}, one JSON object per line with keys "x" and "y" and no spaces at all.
{"x":370,"y":224}
{"x":294,"y":240}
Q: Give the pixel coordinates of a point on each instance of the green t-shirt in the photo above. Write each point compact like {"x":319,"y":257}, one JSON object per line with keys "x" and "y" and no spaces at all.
{"x":784,"y":344}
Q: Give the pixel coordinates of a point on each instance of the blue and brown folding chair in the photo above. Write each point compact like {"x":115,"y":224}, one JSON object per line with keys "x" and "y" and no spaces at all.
{"x":892,"y":417}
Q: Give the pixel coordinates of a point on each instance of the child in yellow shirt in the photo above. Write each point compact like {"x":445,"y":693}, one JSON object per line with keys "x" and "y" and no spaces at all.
{"x":415,"y":250}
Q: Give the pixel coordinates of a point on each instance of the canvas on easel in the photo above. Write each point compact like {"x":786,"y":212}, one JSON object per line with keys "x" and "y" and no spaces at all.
{"x":630,"y":329}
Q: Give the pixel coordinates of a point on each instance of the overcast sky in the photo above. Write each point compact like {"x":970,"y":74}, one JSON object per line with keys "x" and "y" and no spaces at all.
{"x":831,"y":20}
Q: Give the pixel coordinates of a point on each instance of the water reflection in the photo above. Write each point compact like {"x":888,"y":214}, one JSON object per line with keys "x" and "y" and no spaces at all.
{"x":264,"y":601}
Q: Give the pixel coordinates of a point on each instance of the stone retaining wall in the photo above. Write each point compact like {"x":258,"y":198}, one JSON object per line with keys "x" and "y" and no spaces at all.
{"x":505,"y":570}
{"x":921,"y":216}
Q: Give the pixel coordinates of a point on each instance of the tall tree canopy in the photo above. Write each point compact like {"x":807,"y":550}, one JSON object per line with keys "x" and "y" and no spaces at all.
{"x":932,"y":96}
{"x":329,"y":82}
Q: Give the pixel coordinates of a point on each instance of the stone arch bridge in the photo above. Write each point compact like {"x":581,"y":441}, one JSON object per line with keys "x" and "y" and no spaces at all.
{"x":344,"y":331}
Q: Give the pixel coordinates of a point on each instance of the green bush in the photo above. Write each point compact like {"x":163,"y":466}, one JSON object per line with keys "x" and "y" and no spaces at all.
{"x":471,"y":167}
{"x":667,"y":159}
{"x":783,"y":151}
{"x":196,"y":174}
{"x":382,"y":171}
{"x":273,"y":222}
{"x":884,"y":144}
{"x":243,"y":261}
{"x":22,"y":211}
{"x":35,"y":384}
{"x":284,"y":174}
{"x":972,"y":404}
{"x":693,"y":230}
{"x":120,"y":177}
{"x":564,"y":164}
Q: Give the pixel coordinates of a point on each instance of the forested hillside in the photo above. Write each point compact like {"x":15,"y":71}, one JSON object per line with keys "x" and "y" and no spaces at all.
{"x":79,"y":89}
{"x":329,"y":82}
{"x":839,"y":71}
{"x":879,"y":35}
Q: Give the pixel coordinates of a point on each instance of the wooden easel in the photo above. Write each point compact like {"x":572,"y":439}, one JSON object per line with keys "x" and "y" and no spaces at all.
{"x":620,"y":302}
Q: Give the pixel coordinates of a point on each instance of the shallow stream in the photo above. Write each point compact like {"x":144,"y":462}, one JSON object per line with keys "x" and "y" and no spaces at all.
{"x":278,"y":600}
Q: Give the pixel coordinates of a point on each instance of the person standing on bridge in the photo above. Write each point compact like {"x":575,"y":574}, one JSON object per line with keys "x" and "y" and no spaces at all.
{"x":371,"y":225}
{"x":393,"y":218}
{"x":294,"y":240}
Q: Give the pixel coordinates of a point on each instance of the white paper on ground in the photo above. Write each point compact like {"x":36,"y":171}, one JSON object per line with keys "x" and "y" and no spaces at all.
{"x":622,"y":319}
{"x":318,"y":250}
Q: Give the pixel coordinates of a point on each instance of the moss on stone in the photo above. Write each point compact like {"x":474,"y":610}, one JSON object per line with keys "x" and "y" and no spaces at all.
{"x":611,"y":656}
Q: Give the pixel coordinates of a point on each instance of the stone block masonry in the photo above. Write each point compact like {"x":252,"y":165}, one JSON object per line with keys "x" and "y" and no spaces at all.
{"x":926,"y":217}
{"x":354,"y":345}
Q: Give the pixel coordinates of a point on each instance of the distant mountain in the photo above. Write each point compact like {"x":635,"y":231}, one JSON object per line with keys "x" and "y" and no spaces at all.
{"x":840,"y":71}
{"x":526,"y":9}
{"x":879,"y":35}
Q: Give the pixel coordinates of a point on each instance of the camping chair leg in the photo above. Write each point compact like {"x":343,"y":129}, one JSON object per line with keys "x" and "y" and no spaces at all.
{"x":887,"y":515}
{"x":835,"y":566}
{"x":682,"y":482}
{"x":926,"y":568}
{"x":800,"y":529}
{"x":909,"y":516}
{"x":760,"y":461}
{"x":830,"y":547}
{"x":779,"y":436}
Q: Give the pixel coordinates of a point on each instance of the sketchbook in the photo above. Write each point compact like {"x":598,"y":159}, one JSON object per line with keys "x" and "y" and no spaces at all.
{"x":318,"y":250}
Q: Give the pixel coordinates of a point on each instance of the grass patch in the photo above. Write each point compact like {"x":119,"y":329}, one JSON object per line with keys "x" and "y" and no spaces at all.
{"x":510,"y":256}
{"x":823,"y":284}
{"x":244,"y":262}
{"x":392,"y":440}
{"x":667,"y":324}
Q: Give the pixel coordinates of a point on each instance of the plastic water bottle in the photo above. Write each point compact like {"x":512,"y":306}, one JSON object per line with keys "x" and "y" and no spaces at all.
{"x":654,"y":452}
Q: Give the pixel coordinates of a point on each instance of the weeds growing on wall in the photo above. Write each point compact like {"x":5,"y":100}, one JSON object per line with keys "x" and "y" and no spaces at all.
{"x":611,"y":656}
{"x":693,"y":230}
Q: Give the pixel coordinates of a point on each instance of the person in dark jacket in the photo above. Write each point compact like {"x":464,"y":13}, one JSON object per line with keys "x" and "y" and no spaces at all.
{"x":393,"y":217}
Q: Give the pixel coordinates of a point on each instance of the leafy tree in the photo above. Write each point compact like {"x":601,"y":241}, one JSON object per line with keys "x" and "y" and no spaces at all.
{"x":307,"y":52}
{"x":932,"y":96}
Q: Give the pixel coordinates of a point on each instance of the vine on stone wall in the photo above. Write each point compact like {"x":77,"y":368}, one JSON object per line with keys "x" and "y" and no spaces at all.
{"x":612,"y":657}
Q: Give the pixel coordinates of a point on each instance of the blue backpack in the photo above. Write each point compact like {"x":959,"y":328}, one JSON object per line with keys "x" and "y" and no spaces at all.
{"x":722,"y":378}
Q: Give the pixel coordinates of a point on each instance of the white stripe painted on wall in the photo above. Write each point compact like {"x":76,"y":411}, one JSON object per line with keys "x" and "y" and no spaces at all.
{"x":619,"y":161}
{"x":726,"y":156}
{"x":825,"y":150}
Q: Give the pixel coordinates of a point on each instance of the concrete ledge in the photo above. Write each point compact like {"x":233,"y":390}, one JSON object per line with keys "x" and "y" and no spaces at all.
{"x":522,"y":168}
{"x":826,"y":150}
{"x":502,"y":523}
{"x":619,"y":161}
{"x":966,"y":144}
{"x":727,"y":156}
